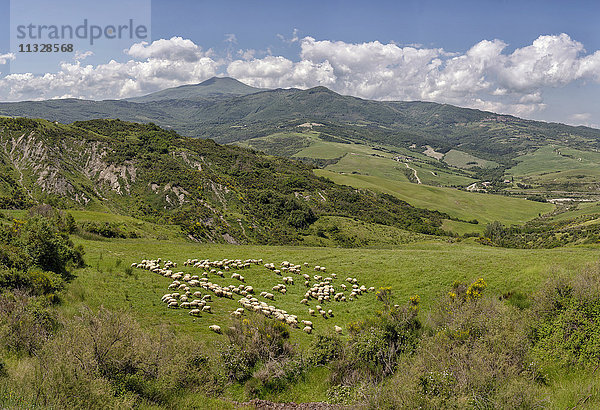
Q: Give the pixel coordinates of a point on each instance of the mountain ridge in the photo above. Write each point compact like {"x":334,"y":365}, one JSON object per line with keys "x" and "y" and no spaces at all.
{"x":229,"y":118}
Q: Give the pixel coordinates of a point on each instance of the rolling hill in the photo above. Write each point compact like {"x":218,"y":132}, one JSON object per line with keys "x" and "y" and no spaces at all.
{"x":214,"y":193}
{"x":229,"y":111}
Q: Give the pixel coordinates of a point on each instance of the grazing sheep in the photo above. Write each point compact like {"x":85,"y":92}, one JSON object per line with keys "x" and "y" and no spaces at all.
{"x":215,"y":328}
{"x":337,"y":329}
{"x":307,"y":329}
{"x":311,"y":312}
{"x":207,"y":309}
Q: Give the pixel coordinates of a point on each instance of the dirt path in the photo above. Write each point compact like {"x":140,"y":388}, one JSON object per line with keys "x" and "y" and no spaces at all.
{"x":414,"y":173}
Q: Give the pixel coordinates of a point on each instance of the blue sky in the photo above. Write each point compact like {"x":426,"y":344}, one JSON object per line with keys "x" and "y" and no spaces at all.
{"x":453,"y":25}
{"x":411,"y":50}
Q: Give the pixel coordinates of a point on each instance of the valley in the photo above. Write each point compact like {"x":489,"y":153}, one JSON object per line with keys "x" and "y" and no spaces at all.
{"x":441,"y":231}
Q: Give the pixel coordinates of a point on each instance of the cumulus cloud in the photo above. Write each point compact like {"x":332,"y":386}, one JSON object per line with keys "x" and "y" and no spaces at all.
{"x":486,"y":76}
{"x":5,"y":58}
{"x":176,"y":48}
{"x":153,"y":66}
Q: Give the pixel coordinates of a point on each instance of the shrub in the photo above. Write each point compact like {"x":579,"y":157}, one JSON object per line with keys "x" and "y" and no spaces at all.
{"x":238,"y":363}
{"x":324,"y":349}
{"x":375,"y":345}
{"x":25,"y":322}
{"x":262,"y":338}
{"x":567,"y":320}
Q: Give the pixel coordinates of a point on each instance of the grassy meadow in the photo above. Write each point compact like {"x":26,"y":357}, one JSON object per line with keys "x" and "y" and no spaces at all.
{"x":424,"y":268}
{"x":461,"y":204}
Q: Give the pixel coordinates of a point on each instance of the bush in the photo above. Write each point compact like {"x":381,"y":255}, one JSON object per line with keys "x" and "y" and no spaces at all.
{"x":567,"y":321}
{"x":25,"y":322}
{"x":238,"y":363}
{"x":104,"y":359}
{"x":49,"y":250}
{"x":475,"y":346}
{"x":262,"y":338}
{"x":375,"y":345}
{"x":325,"y":349}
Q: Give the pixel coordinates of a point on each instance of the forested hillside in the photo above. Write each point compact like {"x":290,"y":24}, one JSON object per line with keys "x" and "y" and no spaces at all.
{"x":215,"y":193}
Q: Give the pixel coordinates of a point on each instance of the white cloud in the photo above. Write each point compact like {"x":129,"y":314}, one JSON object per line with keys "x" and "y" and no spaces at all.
{"x":155,"y":66}
{"x":486,"y":76}
{"x":5,"y":58}
{"x":294,"y":39}
{"x":581,"y":116}
{"x":82,"y":55}
{"x":230,"y":38}
{"x":176,"y":49}
{"x":274,"y":72}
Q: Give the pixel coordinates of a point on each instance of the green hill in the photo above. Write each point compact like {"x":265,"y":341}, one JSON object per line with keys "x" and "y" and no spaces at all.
{"x":214,"y":193}
{"x":227,"y":117}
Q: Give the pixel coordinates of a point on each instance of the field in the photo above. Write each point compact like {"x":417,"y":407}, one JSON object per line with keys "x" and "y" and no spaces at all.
{"x":461,"y":159}
{"x":464,"y":205}
{"x":361,"y":158}
{"x":424,"y":268}
{"x":552,"y":158}
{"x":141,"y":228}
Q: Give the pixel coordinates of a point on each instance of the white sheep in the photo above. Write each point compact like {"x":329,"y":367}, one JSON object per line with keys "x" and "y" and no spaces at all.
{"x":337,"y":329}
{"x":215,"y":328}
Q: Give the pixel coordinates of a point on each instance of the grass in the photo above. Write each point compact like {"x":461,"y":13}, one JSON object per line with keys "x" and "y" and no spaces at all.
{"x":357,"y":158}
{"x":370,"y":165}
{"x":424,"y":268}
{"x":552,"y":158}
{"x":485,"y":208}
{"x":584,"y":208}
{"x":462,"y":159}
{"x":143,"y":229}
{"x":358,"y":233}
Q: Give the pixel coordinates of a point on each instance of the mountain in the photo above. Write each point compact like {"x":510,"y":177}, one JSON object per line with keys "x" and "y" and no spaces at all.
{"x":213,"y":87}
{"x":215,"y":193}
{"x":232,"y":118}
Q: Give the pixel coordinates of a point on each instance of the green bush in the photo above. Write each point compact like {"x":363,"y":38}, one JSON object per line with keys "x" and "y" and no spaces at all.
{"x":567,"y":325}
{"x":325,"y":349}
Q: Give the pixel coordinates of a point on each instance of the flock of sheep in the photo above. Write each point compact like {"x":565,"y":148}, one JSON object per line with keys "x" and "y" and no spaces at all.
{"x":186,"y":288}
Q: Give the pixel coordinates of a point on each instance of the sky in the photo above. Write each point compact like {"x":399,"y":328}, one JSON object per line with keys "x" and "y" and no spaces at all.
{"x":533,"y":59}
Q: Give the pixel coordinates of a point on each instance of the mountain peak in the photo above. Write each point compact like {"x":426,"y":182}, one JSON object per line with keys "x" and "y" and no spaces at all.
{"x":213,"y":87}
{"x":221,"y":80}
